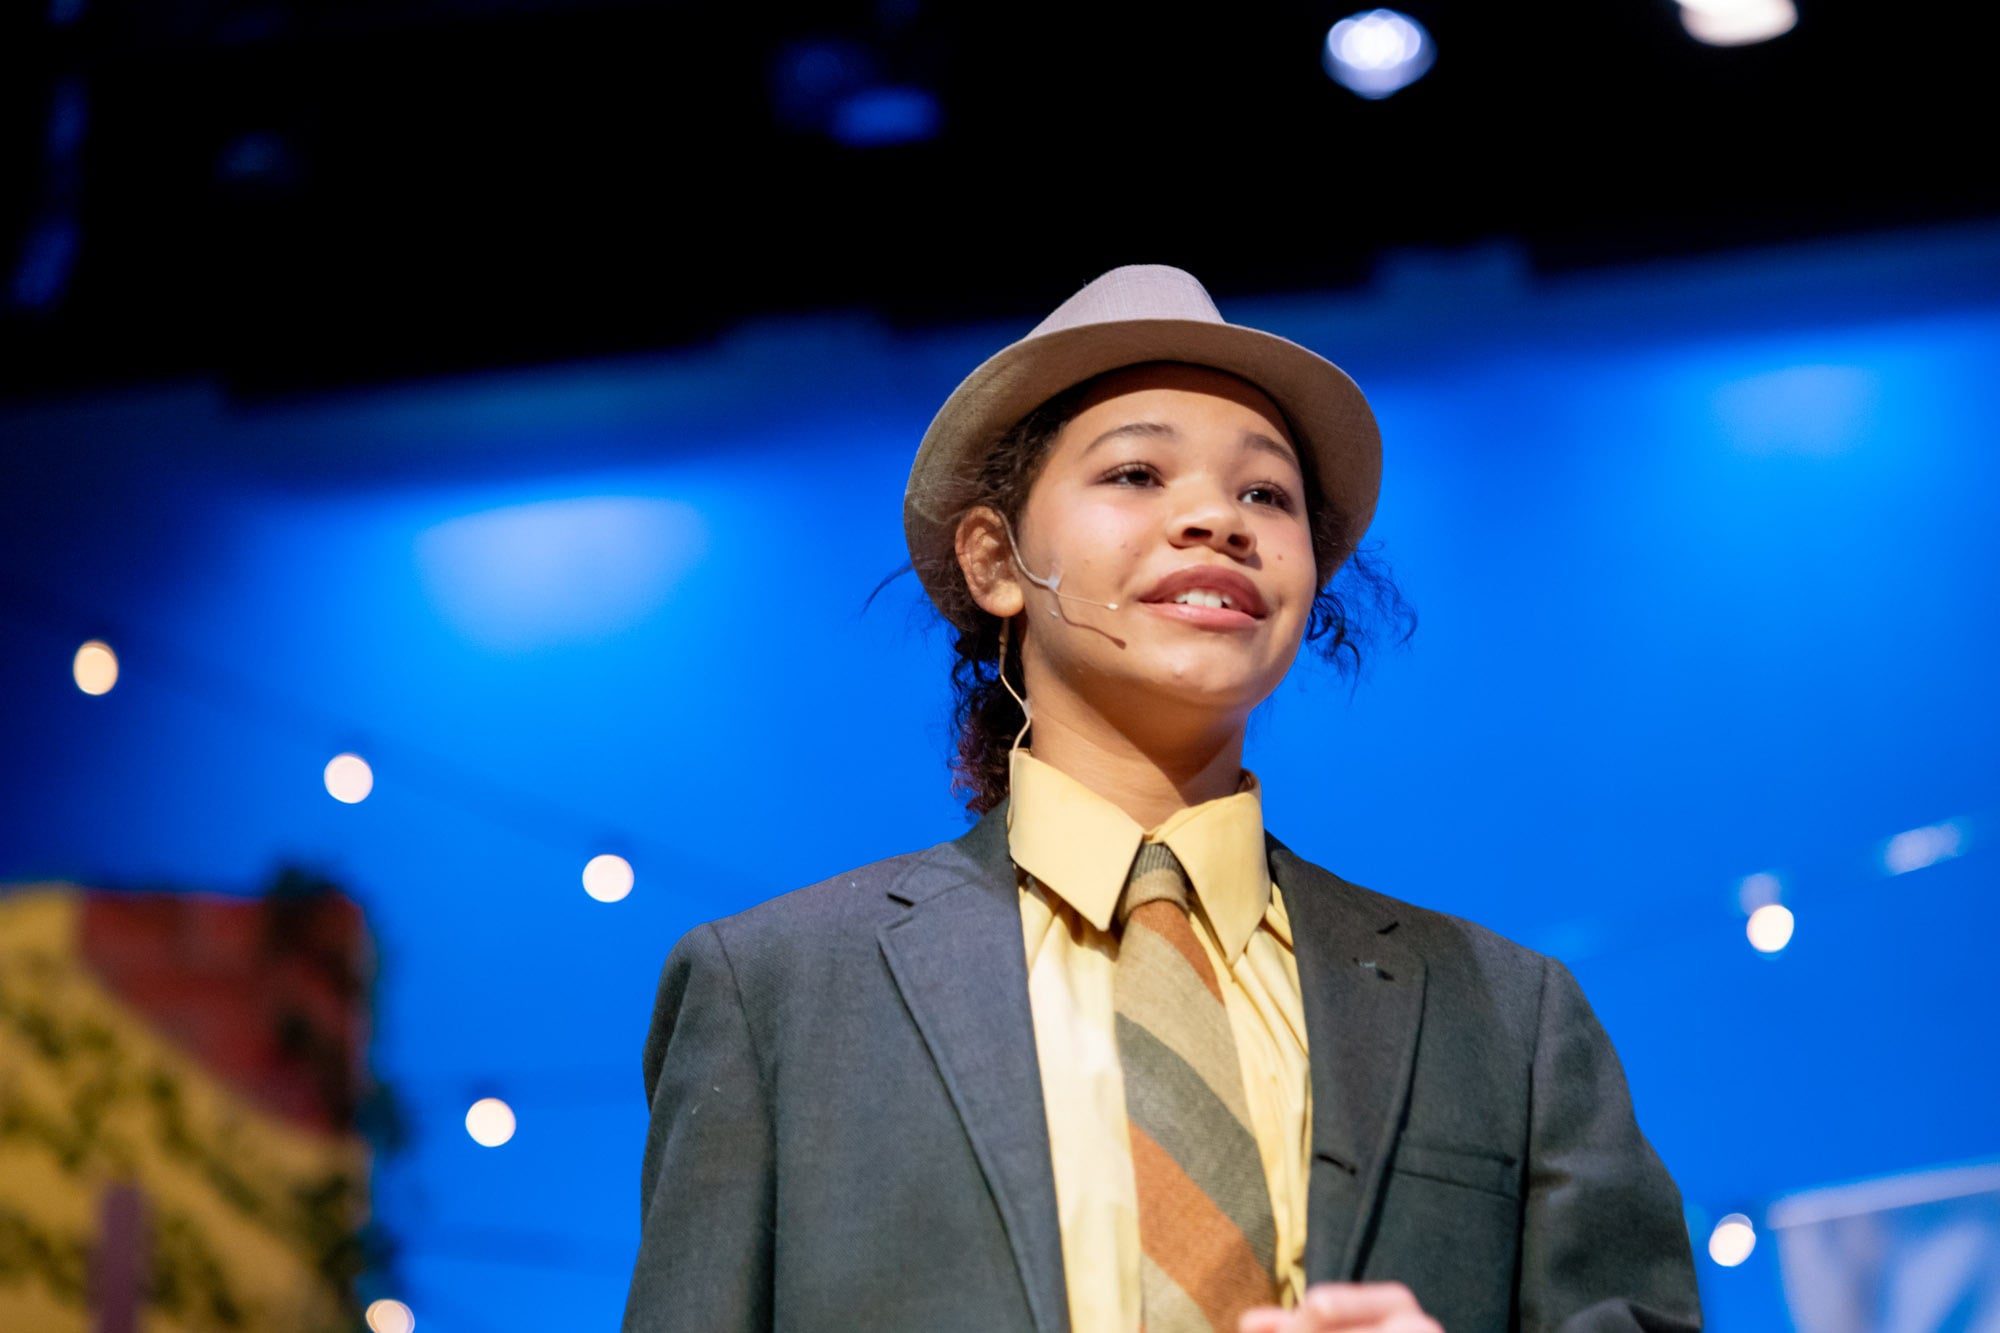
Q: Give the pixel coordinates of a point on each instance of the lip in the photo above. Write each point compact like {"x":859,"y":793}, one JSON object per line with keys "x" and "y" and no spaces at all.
{"x":1202,"y":617}
{"x":1215,"y":578}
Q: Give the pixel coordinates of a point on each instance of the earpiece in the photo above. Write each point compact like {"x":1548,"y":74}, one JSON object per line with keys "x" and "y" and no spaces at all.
{"x":1050,"y":584}
{"x":1027,"y":716}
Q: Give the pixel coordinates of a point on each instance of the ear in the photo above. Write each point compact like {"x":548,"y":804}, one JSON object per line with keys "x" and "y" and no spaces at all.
{"x":987,"y":563}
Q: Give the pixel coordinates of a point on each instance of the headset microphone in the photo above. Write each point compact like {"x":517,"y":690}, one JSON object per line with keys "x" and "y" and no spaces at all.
{"x":1050,"y":584}
{"x":1027,"y":714}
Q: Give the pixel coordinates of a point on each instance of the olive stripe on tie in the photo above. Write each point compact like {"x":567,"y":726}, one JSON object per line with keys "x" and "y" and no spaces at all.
{"x":1206,"y":1227}
{"x":1213,"y":1146}
{"x":1150,"y":996}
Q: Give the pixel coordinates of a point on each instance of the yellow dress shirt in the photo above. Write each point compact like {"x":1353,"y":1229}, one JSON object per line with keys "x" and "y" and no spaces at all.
{"x":1072,"y":848}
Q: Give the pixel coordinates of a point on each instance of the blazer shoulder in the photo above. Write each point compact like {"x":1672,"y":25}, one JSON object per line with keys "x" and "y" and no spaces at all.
{"x":789,"y":952}
{"x":818,"y":910}
{"x":1445,"y":938}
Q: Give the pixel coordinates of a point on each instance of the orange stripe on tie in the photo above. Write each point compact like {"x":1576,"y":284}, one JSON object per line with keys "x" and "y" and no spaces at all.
{"x":1171,"y":924}
{"x":1193,"y":1241}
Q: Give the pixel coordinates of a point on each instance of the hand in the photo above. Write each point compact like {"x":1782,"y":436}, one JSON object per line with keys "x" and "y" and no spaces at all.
{"x":1376,"y":1307}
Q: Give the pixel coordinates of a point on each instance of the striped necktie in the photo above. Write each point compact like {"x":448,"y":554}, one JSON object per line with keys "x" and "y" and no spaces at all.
{"x":1207,"y":1234}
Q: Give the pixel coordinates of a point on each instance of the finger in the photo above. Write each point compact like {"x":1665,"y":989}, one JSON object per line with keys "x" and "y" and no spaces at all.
{"x":1336,"y":1305}
{"x":1414,"y":1321}
{"x":1264,"y":1319}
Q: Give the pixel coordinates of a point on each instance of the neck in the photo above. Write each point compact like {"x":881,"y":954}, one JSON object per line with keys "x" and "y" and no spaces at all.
{"x":1149,"y":777}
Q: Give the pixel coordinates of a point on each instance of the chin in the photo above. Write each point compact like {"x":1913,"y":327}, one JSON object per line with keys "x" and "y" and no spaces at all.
{"x":1203,"y":685}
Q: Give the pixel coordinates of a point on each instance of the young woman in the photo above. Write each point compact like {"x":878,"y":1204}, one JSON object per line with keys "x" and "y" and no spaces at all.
{"x":1117,"y":1058}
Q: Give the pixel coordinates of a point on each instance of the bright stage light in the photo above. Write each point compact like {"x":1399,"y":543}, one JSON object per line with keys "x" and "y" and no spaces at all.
{"x":95,"y":667}
{"x":607,"y":878}
{"x":1732,"y":1240}
{"x":348,"y":778}
{"x":490,"y":1122}
{"x":387,"y":1316}
{"x":1770,"y":928}
{"x":1737,"y":22}
{"x":1377,"y":52}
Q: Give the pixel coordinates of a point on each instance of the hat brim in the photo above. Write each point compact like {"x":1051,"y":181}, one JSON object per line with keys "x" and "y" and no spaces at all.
{"x":1324,"y":405}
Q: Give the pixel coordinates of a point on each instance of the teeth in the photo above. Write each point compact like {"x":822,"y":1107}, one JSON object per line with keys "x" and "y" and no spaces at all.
{"x":1202,"y":597}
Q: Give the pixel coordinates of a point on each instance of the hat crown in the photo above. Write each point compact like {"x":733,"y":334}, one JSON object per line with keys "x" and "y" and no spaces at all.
{"x":1134,"y":291}
{"x":1127,"y":316}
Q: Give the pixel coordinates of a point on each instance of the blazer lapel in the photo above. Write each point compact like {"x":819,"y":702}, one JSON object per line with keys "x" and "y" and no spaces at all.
{"x":958,"y":959}
{"x":1363,"y":995}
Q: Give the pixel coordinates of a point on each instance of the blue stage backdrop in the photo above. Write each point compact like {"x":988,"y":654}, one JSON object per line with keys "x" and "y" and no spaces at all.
{"x":1707,"y":564}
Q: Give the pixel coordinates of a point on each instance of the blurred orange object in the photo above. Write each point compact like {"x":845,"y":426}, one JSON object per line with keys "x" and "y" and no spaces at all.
{"x":179,"y":1075}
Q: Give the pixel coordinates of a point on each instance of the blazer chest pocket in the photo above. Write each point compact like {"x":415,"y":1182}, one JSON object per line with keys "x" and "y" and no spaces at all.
{"x":1485,"y":1169}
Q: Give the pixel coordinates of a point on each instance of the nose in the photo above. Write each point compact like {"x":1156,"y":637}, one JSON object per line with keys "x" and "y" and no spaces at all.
{"x":1214,"y":520}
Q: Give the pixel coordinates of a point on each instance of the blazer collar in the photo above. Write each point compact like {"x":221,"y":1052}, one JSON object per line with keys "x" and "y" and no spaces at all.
{"x":956,"y":956}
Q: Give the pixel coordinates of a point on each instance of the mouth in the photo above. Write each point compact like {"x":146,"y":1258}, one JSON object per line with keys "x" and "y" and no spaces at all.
{"x":1203,"y":616}
{"x":1193,"y":589}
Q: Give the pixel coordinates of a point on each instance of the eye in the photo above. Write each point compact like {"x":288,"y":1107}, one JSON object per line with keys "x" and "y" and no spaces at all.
{"x":1280,"y":498}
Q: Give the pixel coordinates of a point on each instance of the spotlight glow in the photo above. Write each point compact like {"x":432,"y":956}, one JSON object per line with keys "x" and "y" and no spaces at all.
{"x":95,"y":667}
{"x":1732,"y":1240}
{"x":607,"y":878}
{"x":1770,"y":928}
{"x":1737,"y":22}
{"x":490,"y":1122}
{"x":1758,"y":890}
{"x":386,"y":1316}
{"x":348,"y":778}
{"x":1920,"y":847}
{"x":1377,"y":52}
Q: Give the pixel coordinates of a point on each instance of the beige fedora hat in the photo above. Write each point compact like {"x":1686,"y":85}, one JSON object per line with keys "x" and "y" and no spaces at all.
{"x":1135,"y":313}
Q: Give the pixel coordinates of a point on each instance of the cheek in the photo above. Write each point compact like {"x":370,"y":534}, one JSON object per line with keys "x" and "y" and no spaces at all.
{"x":1292,"y":568}
{"x":1104,"y":533}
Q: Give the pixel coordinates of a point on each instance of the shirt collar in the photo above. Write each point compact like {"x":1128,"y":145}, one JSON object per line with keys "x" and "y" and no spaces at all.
{"x":1081,"y":845}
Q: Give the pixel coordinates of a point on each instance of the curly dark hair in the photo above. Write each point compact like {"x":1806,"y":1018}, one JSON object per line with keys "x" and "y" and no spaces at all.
{"x":1357,"y":597}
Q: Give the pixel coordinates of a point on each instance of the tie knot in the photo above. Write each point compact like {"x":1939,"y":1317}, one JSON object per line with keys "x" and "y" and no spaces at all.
{"x":1156,"y":874}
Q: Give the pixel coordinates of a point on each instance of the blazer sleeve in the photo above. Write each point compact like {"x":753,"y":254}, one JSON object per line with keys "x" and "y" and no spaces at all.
{"x":705,"y":1186}
{"x":1604,"y":1244}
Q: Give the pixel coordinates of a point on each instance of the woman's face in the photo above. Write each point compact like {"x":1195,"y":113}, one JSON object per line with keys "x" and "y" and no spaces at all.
{"x":1168,"y":470}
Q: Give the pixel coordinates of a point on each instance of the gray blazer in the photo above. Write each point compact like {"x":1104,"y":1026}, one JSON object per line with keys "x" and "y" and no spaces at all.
{"x":848,"y":1133}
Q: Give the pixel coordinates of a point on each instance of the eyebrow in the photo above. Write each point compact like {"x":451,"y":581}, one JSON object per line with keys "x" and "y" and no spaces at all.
{"x":1164,"y":430}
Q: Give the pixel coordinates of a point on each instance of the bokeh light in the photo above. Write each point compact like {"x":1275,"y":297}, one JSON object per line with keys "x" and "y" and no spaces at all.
{"x":490,"y":1122}
{"x":349,"y":778}
{"x":607,"y":878}
{"x":1770,"y":928}
{"x":386,"y":1316}
{"x":1916,"y":848}
{"x":1737,"y":22}
{"x":95,"y":667}
{"x":1377,"y":52}
{"x":1758,"y":890}
{"x":1732,"y":1240}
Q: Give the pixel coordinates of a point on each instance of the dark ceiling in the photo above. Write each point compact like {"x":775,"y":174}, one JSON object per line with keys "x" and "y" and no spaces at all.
{"x":313,"y":194}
